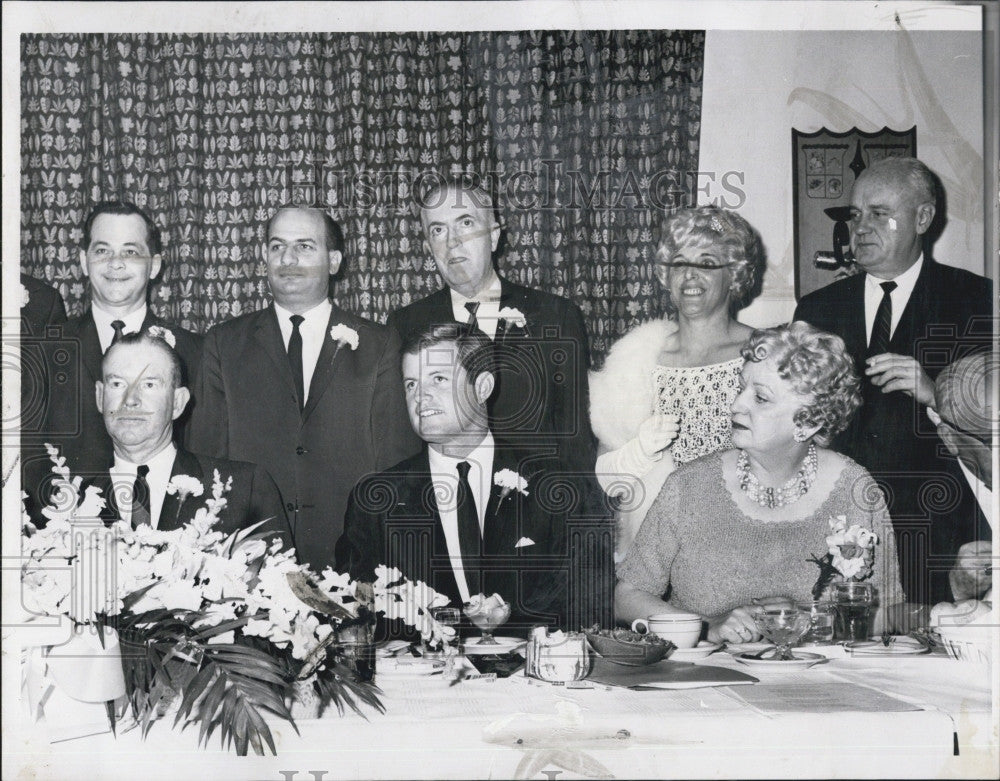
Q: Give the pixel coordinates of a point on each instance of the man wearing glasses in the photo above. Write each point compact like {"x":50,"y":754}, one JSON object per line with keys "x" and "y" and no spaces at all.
{"x":119,"y":256}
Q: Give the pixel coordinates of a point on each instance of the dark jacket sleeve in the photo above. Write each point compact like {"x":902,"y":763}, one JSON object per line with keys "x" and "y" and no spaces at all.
{"x":266,"y":505}
{"x":571,"y":411}
{"x":357,"y":550}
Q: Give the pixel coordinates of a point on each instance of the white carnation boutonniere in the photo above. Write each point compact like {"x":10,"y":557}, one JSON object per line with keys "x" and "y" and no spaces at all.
{"x":159,"y":332}
{"x":185,"y":486}
{"x":25,"y":296}
{"x":513,"y":317}
{"x":343,"y":334}
{"x":509,"y":481}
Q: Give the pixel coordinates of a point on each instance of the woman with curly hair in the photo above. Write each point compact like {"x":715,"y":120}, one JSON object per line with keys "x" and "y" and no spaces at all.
{"x":662,"y":398}
{"x":739,"y":528}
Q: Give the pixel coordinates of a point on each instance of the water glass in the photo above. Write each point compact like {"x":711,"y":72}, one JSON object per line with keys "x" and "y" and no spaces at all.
{"x":855,"y":604}
{"x":448,"y":617}
{"x":821,"y":619}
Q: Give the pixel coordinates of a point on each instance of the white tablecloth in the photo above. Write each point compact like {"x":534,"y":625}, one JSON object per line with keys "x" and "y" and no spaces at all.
{"x":904,"y":717}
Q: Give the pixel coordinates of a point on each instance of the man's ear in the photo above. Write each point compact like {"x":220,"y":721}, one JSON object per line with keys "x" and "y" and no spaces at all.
{"x":336,"y":257}
{"x":99,"y":393}
{"x":925,"y":216}
{"x":181,"y":397}
{"x":484,"y":385}
{"x":494,"y":236}
{"x":83,"y":263}
{"x":155,"y":266}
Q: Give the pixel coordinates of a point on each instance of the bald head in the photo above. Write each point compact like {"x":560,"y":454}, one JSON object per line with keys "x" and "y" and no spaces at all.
{"x":964,"y":395}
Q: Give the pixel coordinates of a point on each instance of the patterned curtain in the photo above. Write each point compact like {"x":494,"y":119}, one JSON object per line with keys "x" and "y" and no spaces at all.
{"x":585,"y":136}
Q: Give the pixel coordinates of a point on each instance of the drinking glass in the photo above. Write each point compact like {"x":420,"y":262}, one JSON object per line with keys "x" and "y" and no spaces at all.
{"x":854,"y":603}
{"x":449,"y":617}
{"x":488,"y":621}
{"x":821,"y":618}
{"x":782,"y":626}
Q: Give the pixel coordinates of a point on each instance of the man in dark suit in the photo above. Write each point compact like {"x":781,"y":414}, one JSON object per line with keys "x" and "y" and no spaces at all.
{"x":468,"y":515}
{"x":120,"y":255}
{"x":41,"y":305}
{"x":903,"y":320}
{"x":304,"y":388}
{"x":542,"y":354}
{"x":152,"y":480}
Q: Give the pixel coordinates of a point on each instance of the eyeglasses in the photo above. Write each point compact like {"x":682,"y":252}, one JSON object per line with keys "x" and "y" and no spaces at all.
{"x":707,"y":266}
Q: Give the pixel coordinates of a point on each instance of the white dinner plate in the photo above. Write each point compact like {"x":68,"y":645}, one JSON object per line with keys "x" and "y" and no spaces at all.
{"x":472,"y":647}
{"x":700,"y":651}
{"x":899,"y":646}
{"x":801,"y":661}
{"x":408,"y":667}
{"x":747,"y":648}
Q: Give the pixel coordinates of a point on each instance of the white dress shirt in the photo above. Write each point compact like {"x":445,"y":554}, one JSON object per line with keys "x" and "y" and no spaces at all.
{"x":123,"y":474}
{"x":489,"y":308}
{"x":313,"y":329}
{"x":899,"y":296}
{"x":444,"y":474}
{"x":103,"y":321}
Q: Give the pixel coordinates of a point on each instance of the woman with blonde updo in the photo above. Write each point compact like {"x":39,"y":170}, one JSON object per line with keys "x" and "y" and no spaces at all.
{"x":739,"y":528}
{"x":662,"y":398}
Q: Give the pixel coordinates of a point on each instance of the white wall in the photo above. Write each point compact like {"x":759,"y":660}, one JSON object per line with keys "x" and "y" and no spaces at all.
{"x":868,"y":79}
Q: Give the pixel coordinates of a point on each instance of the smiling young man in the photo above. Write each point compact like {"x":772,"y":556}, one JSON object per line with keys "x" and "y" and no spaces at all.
{"x":541,"y":396}
{"x":444,"y":516}
{"x":120,"y":255}
{"x":140,"y":395}
{"x":898,"y":318}
{"x":304,"y":388}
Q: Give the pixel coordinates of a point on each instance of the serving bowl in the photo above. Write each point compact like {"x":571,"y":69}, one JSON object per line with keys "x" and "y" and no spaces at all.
{"x":621,"y":646}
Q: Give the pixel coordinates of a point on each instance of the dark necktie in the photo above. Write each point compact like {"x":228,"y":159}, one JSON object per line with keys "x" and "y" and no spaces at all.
{"x":141,"y":515}
{"x":473,"y":307}
{"x":295,"y":358}
{"x":119,"y":327}
{"x":469,"y":536}
{"x":882,"y":327}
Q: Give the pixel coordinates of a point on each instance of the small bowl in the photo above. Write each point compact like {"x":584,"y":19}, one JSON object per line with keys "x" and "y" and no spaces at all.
{"x":633,"y":654}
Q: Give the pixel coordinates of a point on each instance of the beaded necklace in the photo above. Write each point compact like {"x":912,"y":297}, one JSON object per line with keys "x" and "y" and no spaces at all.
{"x":790,"y":492}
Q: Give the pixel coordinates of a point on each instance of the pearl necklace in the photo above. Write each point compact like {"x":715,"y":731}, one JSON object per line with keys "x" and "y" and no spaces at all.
{"x":790,"y":492}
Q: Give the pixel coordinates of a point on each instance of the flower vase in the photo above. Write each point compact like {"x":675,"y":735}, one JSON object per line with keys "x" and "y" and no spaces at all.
{"x":854,"y":603}
{"x":357,"y":644}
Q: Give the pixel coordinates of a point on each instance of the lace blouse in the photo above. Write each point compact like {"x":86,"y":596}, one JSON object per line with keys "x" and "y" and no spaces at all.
{"x":701,"y":396}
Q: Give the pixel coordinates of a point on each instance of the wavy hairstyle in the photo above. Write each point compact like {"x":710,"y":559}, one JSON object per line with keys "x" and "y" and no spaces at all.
{"x":737,"y":240}
{"x":817,"y":365}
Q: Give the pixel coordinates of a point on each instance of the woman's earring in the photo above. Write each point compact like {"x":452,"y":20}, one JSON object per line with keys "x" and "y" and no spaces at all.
{"x":799,"y":435}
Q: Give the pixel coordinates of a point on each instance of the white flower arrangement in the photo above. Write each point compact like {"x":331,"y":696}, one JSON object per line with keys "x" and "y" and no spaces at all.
{"x":513,"y":316}
{"x":343,"y":334}
{"x":159,"y":332}
{"x":851,"y":549}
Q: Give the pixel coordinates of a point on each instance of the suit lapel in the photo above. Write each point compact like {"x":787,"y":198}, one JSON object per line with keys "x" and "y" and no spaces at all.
{"x":912,"y":321}
{"x":90,"y":347}
{"x":330,"y":356}
{"x":856,"y":333}
{"x":267,"y":334}
{"x":171,"y":516}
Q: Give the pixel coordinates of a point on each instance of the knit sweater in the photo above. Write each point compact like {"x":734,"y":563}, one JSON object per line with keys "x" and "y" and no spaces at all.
{"x":715,"y":558}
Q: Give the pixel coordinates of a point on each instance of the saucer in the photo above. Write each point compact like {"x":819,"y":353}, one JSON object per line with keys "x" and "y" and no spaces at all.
{"x":801,"y":661}
{"x":408,"y":667}
{"x":503,"y":645}
{"x":747,"y":648}
{"x":700,"y":651}
{"x":900,"y":645}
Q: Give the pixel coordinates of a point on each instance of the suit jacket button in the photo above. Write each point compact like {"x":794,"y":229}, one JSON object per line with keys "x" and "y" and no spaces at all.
{"x":290,"y":507}
{"x":299,"y":451}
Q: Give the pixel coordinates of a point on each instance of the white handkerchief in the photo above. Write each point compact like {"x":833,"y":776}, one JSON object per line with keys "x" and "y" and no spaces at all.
{"x":524,"y":542}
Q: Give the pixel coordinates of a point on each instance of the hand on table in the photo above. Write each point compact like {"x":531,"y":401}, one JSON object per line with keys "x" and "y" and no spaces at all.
{"x":736,"y":626}
{"x":657,"y":432}
{"x":894,"y":372}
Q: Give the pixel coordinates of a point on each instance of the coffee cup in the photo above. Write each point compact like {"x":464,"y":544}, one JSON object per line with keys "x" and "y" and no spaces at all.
{"x":681,"y":629}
